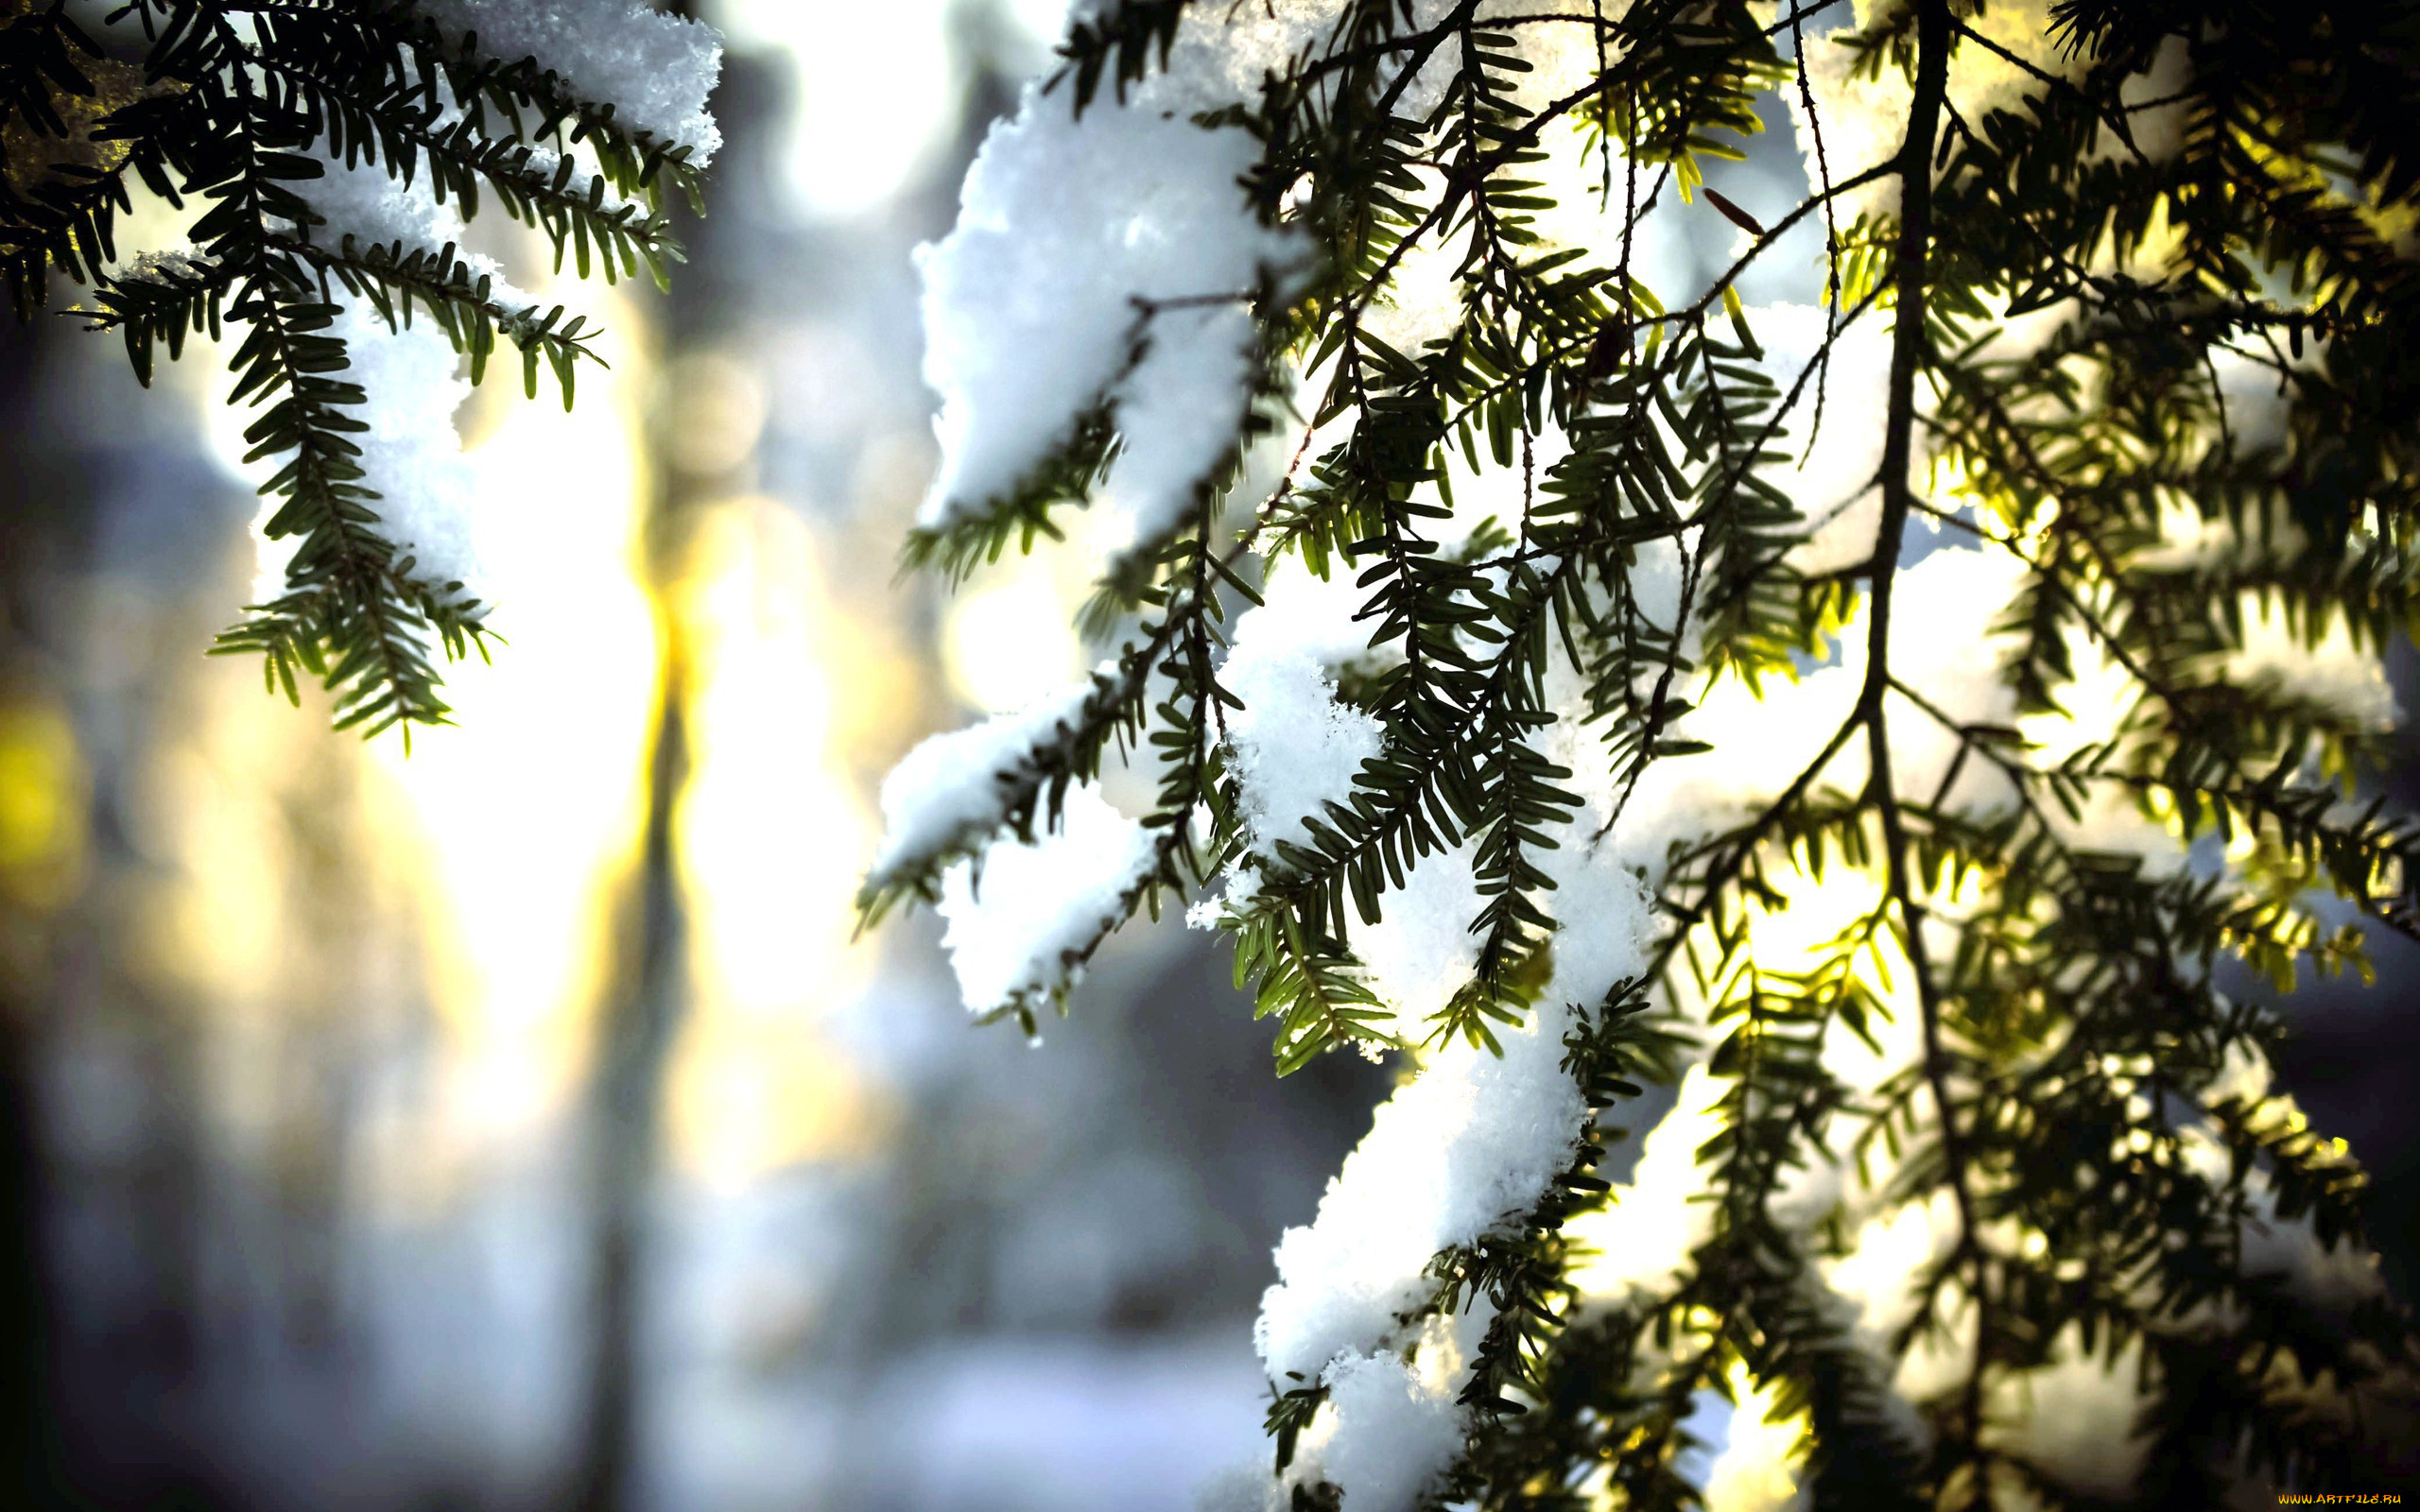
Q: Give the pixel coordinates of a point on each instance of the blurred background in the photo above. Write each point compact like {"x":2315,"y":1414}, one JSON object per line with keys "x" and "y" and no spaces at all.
{"x":516,"y":1124}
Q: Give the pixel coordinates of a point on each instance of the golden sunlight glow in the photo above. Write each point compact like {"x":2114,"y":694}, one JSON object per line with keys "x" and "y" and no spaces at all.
{"x":496,"y":838}
{"x":773,"y":833}
{"x":1009,"y":640}
{"x":535,"y":800}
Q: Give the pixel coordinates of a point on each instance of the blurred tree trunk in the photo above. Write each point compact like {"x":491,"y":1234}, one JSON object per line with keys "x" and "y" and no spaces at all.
{"x":641,"y":1015}
{"x":640,"y":1020}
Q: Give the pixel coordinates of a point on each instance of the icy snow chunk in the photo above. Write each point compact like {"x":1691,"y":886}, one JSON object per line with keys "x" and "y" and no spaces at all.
{"x":1030,"y":302}
{"x":655,"y":70}
{"x":1014,"y":915}
{"x":945,"y":795}
{"x":1473,"y":1140}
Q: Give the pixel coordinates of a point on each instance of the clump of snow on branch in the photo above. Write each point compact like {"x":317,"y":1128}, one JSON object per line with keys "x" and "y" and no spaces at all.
{"x":2074,"y":1419}
{"x":1030,"y":306}
{"x":1031,"y":316}
{"x":414,"y":454}
{"x":1172,"y":441}
{"x":1390,"y":1428}
{"x":1421,"y":951}
{"x":1471,"y":1141}
{"x":1296,"y":747}
{"x":2330,"y":669}
{"x":1031,"y":313}
{"x":1641,"y":1240}
{"x":945,"y":795}
{"x":1397,"y":1428}
{"x":1015,"y":913}
{"x":411,"y":454}
{"x":655,"y":70}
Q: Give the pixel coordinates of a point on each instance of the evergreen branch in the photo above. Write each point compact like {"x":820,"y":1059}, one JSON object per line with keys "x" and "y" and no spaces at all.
{"x":1907,"y":353}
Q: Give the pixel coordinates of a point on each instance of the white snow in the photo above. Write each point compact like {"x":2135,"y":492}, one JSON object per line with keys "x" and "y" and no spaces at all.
{"x":1030,"y":304}
{"x":945,"y":795}
{"x":1296,"y":747}
{"x":1033,"y":320}
{"x":1173,"y":440}
{"x":1641,"y":1243}
{"x":1016,"y":912}
{"x":2074,"y":1419}
{"x":655,"y":70}
{"x":1837,"y":464}
{"x":412,"y":453}
{"x":1473,"y":1140}
{"x":1422,"y":950}
{"x":1394,"y":1432}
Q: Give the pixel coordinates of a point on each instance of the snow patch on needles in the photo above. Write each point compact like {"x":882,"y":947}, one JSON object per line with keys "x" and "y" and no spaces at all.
{"x":1422,"y":950}
{"x":1473,"y":1140}
{"x":945,"y":793}
{"x":1392,"y":1424}
{"x":411,"y":454}
{"x":1296,"y":748}
{"x":1015,"y":914}
{"x":1640,"y":1242}
{"x":1172,"y":439}
{"x":1030,"y":304}
{"x":1395,"y":1432}
{"x":657,"y":70}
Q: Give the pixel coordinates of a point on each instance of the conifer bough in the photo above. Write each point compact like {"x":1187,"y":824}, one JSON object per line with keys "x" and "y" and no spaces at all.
{"x":332,"y":150}
{"x":1883,"y":714}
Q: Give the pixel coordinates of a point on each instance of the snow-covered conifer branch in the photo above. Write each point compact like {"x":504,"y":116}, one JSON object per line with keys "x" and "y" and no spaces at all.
{"x":338,"y":148}
{"x":1883,"y":719}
